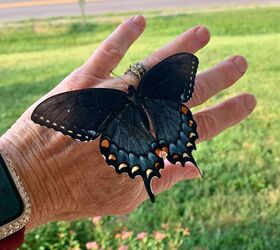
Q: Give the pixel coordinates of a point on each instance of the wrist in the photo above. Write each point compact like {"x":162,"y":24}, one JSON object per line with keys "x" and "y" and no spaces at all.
{"x":21,"y":153}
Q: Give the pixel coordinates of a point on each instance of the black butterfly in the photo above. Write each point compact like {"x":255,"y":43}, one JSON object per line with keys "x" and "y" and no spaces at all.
{"x":124,"y":120}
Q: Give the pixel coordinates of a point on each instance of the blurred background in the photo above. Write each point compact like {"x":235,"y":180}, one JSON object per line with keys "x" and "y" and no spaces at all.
{"x":237,"y":206}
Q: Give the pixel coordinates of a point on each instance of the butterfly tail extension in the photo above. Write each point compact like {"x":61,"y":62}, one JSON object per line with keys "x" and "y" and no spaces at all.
{"x":192,"y":160}
{"x":147,"y":183}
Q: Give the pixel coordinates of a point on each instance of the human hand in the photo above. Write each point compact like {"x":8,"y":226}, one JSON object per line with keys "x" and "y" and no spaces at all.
{"x":67,"y":179}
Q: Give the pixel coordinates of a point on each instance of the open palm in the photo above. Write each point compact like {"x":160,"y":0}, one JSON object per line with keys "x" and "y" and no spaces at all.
{"x":67,"y":179}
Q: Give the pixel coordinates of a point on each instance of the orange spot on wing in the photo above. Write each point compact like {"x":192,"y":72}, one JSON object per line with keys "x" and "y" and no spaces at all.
{"x":105,"y":143}
{"x":165,"y":149}
{"x":158,"y":151}
{"x":184,"y":110}
{"x":162,"y":153}
{"x":175,"y":156}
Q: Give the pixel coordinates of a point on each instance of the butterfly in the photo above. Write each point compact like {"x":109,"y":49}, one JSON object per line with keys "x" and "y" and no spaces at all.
{"x":139,"y":129}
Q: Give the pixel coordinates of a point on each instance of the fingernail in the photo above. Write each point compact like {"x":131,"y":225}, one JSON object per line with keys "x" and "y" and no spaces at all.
{"x":202,"y":34}
{"x":139,"y":20}
{"x":240,"y":63}
{"x":250,"y":102}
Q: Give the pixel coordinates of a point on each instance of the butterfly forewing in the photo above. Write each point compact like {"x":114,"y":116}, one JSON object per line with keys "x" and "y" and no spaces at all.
{"x":171,"y":79}
{"x":81,"y":114}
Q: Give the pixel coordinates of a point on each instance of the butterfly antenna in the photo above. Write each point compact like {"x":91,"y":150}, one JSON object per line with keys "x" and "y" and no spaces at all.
{"x":119,"y":77}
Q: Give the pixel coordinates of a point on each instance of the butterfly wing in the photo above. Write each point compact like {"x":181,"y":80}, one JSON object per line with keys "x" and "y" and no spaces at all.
{"x":163,"y":88}
{"x":128,"y":146}
{"x":175,"y":130}
{"x":171,"y":79}
{"x":81,"y":114}
{"x":126,"y":142}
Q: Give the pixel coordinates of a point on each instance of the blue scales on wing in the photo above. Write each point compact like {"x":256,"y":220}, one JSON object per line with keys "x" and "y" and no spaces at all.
{"x":175,"y":130}
{"x":164,"y":88}
{"x":128,"y":146}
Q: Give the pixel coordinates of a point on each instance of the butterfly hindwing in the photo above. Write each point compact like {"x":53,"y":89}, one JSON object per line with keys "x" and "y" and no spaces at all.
{"x":171,"y":79}
{"x":175,"y":129}
{"x":81,"y":114}
{"x":128,"y":146}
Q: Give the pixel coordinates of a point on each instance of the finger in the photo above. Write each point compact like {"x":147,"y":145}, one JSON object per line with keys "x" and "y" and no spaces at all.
{"x":210,"y":122}
{"x":190,"y":41}
{"x":173,"y":174}
{"x":221,"y":76}
{"x":216,"y":119}
{"x":111,"y":51}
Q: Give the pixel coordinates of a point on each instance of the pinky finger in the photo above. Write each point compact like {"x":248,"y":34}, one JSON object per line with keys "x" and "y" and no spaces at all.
{"x":214,"y":120}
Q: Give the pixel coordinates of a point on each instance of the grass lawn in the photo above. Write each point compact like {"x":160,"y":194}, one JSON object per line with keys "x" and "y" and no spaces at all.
{"x":237,"y":206}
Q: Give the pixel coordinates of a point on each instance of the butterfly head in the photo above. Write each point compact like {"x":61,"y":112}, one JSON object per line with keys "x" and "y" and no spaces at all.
{"x":131,"y":90}
{"x":132,"y":93}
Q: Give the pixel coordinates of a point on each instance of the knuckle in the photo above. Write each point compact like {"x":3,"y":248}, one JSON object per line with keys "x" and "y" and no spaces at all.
{"x":200,"y":92}
{"x":221,"y":73}
{"x":152,"y":60}
{"x":111,"y":49}
{"x":185,"y":43}
{"x":122,"y":27}
{"x":226,"y":73}
{"x":189,"y":41}
{"x":73,"y":80}
{"x":235,"y":73}
{"x":129,"y":29}
{"x":207,"y":126}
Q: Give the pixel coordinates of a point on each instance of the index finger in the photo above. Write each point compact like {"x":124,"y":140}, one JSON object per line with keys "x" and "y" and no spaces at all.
{"x":107,"y":56}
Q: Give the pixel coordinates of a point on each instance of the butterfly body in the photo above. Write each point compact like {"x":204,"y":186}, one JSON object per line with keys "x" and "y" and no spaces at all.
{"x":138,"y":130}
{"x":133,"y":94}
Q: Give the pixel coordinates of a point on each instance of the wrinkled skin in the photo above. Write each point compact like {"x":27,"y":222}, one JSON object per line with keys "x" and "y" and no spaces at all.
{"x":67,"y":179}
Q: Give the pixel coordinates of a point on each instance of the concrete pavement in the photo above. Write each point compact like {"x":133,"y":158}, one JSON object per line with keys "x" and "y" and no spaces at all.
{"x":27,"y":9}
